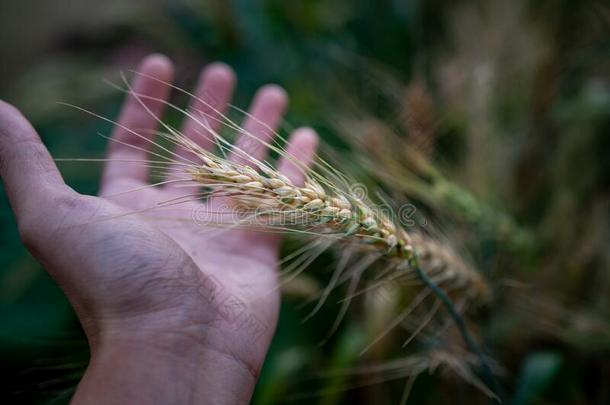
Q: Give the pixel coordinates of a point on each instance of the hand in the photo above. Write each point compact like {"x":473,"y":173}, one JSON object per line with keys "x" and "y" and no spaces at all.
{"x":173,"y":312}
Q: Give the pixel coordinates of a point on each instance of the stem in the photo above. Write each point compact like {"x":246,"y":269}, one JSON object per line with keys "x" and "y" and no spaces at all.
{"x":461,"y":325}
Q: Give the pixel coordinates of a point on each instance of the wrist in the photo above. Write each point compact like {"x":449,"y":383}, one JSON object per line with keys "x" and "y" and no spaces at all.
{"x":161,"y":370}
{"x":190,"y":352}
{"x":201,"y":344}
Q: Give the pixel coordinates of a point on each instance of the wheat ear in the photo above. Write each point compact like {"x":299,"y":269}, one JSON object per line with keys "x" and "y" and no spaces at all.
{"x":273,"y":200}
{"x":271,"y":197}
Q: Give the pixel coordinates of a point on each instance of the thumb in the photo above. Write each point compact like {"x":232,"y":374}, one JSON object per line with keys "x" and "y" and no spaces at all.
{"x":30,"y":176}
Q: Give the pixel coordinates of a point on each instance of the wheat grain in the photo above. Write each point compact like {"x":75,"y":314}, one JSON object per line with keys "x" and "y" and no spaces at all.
{"x":273,"y":200}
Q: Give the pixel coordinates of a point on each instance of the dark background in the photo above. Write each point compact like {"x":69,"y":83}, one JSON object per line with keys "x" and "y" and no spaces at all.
{"x":516,"y":94}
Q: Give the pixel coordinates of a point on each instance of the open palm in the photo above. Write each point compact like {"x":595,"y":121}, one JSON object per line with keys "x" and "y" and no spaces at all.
{"x":156,"y":276}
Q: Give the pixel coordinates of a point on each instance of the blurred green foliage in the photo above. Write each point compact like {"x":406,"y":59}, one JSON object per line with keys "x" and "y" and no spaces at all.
{"x":522,"y":100}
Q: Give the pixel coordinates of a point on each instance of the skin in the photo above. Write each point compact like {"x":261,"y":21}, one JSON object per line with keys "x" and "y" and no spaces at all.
{"x":174,"y":312}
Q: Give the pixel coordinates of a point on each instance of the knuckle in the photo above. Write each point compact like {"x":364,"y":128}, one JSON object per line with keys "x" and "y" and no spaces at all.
{"x":66,"y":200}
{"x":36,"y":225}
{"x":8,"y":121}
{"x":20,"y":149}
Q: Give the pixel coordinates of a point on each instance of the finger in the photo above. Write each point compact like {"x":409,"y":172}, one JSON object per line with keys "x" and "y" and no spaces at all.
{"x":212,"y":95}
{"x":30,"y":176}
{"x":132,"y":137}
{"x":300,"y":151}
{"x":259,"y":128}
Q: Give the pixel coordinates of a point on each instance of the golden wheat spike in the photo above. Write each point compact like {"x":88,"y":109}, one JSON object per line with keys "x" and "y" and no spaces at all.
{"x":318,"y":207}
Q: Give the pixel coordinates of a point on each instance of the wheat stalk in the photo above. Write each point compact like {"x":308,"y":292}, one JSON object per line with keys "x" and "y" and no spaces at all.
{"x":321,"y":208}
{"x":268,"y":195}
